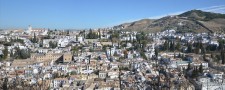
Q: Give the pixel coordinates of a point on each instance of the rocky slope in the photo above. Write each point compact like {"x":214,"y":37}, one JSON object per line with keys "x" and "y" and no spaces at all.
{"x":191,"y":21}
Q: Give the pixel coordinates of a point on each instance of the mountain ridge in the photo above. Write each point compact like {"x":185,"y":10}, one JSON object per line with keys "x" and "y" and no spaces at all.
{"x":190,"y":21}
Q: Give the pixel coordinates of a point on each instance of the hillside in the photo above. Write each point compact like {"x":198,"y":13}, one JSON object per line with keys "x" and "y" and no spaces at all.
{"x":190,"y":21}
{"x":201,"y":15}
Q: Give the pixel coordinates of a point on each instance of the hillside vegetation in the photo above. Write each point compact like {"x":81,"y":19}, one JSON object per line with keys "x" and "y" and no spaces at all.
{"x":190,"y":21}
{"x":201,"y":15}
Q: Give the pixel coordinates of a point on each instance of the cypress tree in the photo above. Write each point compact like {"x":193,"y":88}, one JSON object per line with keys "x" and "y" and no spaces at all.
{"x":182,"y":56}
{"x":5,"y":52}
{"x":223,"y":57}
{"x":99,"y":34}
{"x":200,"y":69}
{"x":156,"y":52}
{"x":221,"y":43}
{"x":189,"y":49}
{"x":178,"y":46}
{"x":222,"y":51}
{"x":203,"y":50}
{"x":189,"y":66}
{"x":5,"y":82}
{"x":174,"y":55}
{"x":197,"y":48}
{"x":204,"y":57}
{"x":34,"y":39}
{"x":166,"y":45}
{"x":179,"y":55}
{"x":171,"y":46}
{"x":195,"y":72}
{"x":11,"y":53}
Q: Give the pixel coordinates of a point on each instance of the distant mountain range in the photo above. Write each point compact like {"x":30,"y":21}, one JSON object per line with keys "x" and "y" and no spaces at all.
{"x":190,"y":21}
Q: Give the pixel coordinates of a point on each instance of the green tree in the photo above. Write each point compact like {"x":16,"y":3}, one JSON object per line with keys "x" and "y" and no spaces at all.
{"x":5,"y":52}
{"x":166,"y":45}
{"x":92,"y":35}
{"x":200,"y":69}
{"x":143,"y":55}
{"x":189,"y":66}
{"x":172,"y":46}
{"x":204,"y":57}
{"x":11,"y":53}
{"x":179,"y":55}
{"x":75,"y":50}
{"x":189,"y":49}
{"x":178,"y":46}
{"x":223,"y":56}
{"x":25,"y":53}
{"x":76,"y":37}
{"x":17,"y":53}
{"x":52,"y":44}
{"x":110,"y":53}
{"x":199,"y":47}
{"x":194,"y":73}
{"x":138,"y":37}
{"x":156,"y":52}
{"x":73,"y":73}
{"x":144,"y":43}
{"x":115,"y":34}
{"x":5,"y":84}
{"x":221,"y":44}
{"x":182,"y":56}
{"x":174,"y":55}
{"x":99,"y":34}
{"x":34,"y":39}
{"x":22,"y":53}
{"x":68,"y":32}
{"x":41,"y":43}
{"x":203,"y":51}
{"x":222,"y":50}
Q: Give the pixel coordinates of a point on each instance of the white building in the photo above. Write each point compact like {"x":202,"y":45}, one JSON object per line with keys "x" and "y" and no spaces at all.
{"x":37,"y":31}
{"x":208,"y":84}
{"x":59,"y":82}
{"x":63,"y":42}
{"x":42,"y":50}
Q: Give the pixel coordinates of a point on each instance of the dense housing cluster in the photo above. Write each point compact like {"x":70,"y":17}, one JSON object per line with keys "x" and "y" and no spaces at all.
{"x":108,"y":59}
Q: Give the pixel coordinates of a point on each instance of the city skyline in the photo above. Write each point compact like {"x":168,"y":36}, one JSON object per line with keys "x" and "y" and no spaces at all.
{"x":112,"y":45}
{"x":85,"y":14}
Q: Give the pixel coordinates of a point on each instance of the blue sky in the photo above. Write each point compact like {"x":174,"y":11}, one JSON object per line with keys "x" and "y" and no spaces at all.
{"x":80,"y":14}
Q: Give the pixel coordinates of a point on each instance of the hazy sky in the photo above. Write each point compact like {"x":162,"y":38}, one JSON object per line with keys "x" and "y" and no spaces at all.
{"x":78,"y":14}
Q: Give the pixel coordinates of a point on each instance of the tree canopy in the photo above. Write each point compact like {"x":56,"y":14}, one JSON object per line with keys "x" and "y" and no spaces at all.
{"x":92,"y":35}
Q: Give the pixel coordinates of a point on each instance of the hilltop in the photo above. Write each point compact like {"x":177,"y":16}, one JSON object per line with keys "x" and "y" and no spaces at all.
{"x":190,"y":21}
